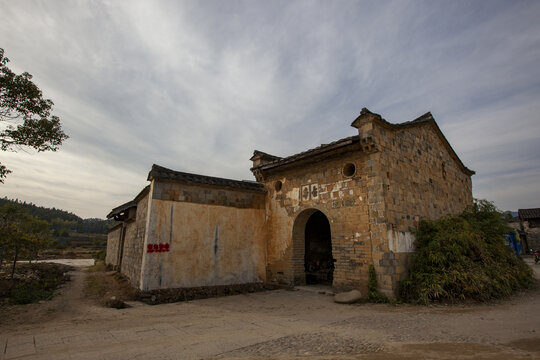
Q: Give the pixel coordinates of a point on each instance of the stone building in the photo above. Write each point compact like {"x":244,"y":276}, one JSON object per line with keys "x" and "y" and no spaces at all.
{"x":529,"y":226}
{"x":320,"y":216}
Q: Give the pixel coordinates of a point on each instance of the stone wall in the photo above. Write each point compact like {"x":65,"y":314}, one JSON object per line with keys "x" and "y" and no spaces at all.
{"x":532,"y":229}
{"x":400,"y":176}
{"x":341,"y":198}
{"x":412,"y":176}
{"x":208,"y":195}
{"x":113,"y":243}
{"x":134,"y":242}
{"x":214,"y":236}
{"x":373,"y":188}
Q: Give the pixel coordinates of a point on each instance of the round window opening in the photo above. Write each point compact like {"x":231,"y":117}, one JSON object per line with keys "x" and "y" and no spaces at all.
{"x":277,"y":185}
{"x":349,"y":169}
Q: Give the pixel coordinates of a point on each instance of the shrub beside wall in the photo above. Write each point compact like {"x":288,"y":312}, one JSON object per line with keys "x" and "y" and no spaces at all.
{"x":464,"y":257}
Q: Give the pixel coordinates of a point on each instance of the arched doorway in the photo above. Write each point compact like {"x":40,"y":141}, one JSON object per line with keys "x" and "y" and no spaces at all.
{"x":312,"y":243}
{"x":318,"y":261}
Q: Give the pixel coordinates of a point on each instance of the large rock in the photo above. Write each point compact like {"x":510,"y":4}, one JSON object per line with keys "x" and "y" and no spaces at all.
{"x":348,"y":297}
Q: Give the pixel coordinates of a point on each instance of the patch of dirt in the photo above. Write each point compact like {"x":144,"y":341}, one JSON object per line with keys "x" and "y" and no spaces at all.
{"x":414,"y":351}
{"x":308,"y":344}
{"x":267,"y":325}
{"x":532,"y":345}
{"x":43,"y":278}
{"x":87,"y":290}
{"x":108,"y":288}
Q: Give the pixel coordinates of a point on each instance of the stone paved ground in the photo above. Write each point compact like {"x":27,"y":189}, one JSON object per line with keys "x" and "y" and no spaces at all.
{"x":271,"y":325}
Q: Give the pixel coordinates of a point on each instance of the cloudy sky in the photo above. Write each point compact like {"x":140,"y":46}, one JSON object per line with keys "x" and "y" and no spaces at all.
{"x":196,"y":86}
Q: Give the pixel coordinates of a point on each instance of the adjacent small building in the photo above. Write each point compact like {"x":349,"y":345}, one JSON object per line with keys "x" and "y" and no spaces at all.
{"x":529,"y":222}
{"x":320,"y":216}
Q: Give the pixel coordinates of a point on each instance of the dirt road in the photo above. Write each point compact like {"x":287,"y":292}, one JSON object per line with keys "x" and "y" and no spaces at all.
{"x":276,"y":324}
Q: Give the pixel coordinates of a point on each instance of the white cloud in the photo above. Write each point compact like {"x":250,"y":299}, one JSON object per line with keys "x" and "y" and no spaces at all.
{"x":196,"y":86}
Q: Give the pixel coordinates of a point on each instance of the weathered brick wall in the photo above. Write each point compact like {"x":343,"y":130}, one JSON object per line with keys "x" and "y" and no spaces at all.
{"x":203,"y":194}
{"x":533,"y":234}
{"x":113,"y":243}
{"x":216,"y":236}
{"x":134,"y":243}
{"x":414,"y":178}
{"x":401,"y":176}
{"x":341,"y":198}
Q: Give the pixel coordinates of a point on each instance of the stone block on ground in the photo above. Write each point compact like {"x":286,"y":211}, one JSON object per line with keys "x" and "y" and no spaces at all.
{"x":348,"y":297}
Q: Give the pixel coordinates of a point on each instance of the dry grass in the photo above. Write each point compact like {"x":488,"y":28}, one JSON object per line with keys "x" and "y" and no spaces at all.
{"x":103,"y":285}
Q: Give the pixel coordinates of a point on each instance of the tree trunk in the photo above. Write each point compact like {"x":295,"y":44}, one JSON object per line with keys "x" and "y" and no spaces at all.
{"x":14,"y":262}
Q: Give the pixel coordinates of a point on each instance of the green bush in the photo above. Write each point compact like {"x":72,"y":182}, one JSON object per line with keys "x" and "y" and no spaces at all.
{"x":464,"y":257}
{"x":373,"y":294}
{"x":28,"y":293}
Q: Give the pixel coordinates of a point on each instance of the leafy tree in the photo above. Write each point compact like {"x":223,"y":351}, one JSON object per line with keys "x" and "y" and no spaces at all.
{"x":61,"y":220}
{"x":25,"y":117}
{"x":10,"y":215}
{"x":37,"y":235}
{"x":61,"y":227}
{"x":45,"y":213}
{"x":20,"y":232}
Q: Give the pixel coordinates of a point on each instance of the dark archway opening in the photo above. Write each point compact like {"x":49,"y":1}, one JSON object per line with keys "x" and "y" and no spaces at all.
{"x":318,"y":261}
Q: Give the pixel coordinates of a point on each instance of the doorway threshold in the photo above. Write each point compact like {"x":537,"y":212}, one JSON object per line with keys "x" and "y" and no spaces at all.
{"x":318,"y":288}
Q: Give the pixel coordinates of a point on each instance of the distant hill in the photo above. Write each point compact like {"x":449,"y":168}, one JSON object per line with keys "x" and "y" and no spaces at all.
{"x":63,"y":221}
{"x":513,"y":213}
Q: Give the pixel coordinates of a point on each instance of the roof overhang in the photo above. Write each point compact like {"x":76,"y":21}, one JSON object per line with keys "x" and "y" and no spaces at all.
{"x":309,"y":154}
{"x":161,"y":173}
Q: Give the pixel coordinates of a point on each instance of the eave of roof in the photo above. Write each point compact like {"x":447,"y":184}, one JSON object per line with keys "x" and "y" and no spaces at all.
{"x":308,"y":153}
{"x":525,"y":214}
{"x":159,"y":172}
{"x":119,"y":209}
{"x":133,"y":203}
{"x":424,"y":119}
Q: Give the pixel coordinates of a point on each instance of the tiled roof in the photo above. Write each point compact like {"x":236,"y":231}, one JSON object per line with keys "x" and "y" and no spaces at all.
{"x":119,"y":209}
{"x":525,"y":214}
{"x":427,"y":118}
{"x":133,"y":203}
{"x":159,"y":172}
{"x":308,"y":153}
{"x":423,"y":119}
{"x":261,"y":154}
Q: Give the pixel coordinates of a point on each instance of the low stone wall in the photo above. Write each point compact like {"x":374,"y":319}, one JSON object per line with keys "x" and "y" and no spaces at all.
{"x":162,"y":296}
